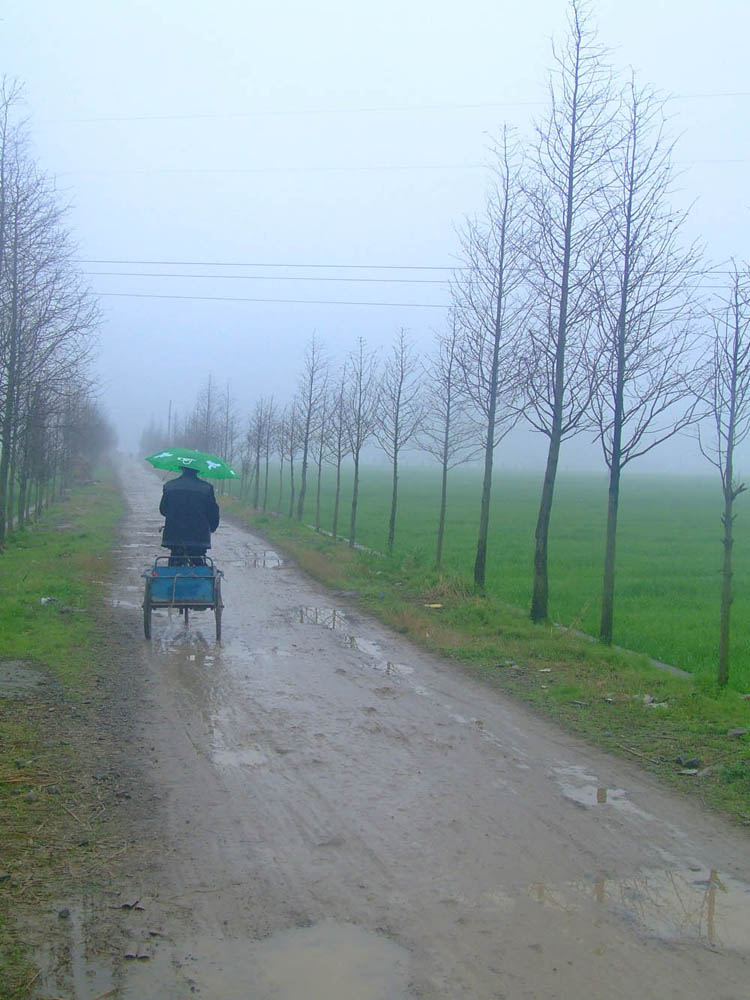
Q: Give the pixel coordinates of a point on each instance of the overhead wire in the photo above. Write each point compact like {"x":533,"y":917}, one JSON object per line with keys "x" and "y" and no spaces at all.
{"x":234,"y":263}
{"x":295,"y":264}
{"x":265,"y":277}
{"x":304,"y":302}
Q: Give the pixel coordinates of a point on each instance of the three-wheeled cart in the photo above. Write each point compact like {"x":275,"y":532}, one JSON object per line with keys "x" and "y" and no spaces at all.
{"x":186,"y":588}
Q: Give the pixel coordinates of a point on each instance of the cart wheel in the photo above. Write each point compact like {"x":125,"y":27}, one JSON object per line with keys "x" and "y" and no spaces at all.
{"x":147,"y":616}
{"x":218,"y":607}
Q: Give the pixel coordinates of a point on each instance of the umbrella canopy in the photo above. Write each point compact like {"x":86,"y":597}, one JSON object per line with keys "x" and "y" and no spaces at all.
{"x":173,"y":459}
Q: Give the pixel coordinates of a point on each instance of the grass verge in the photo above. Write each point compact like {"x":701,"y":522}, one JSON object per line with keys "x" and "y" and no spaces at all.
{"x":688,"y":733}
{"x":51,"y":652}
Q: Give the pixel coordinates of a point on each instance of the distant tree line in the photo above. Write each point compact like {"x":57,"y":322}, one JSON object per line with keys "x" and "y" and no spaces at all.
{"x":578,"y":309}
{"x":51,"y":427}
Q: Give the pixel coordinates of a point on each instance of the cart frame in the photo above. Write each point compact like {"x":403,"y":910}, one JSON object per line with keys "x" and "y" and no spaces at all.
{"x":187,"y":588}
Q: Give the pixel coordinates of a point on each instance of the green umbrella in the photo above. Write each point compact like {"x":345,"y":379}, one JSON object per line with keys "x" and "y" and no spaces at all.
{"x":204,"y":464}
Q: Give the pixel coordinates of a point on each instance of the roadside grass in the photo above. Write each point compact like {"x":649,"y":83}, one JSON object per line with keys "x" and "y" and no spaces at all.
{"x":677,"y":728}
{"x":668,"y":552}
{"x":47,"y":815}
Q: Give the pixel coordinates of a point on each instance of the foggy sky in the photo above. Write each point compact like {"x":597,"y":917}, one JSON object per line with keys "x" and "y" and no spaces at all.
{"x":339,"y":133}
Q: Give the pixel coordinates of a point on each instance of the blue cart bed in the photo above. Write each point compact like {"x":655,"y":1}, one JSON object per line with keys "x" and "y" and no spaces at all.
{"x":187,"y":588}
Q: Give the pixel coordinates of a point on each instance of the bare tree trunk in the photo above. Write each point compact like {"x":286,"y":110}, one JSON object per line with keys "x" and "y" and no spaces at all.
{"x":394,"y":503}
{"x":337,"y":498}
{"x":608,"y":589}
{"x":267,"y":459}
{"x":445,"y":433}
{"x":441,"y":519}
{"x":606,"y":624}
{"x":256,"y":473}
{"x":355,"y":501}
{"x":727,"y":520}
{"x":291,"y":485}
{"x":540,"y":596}
{"x":281,"y":483}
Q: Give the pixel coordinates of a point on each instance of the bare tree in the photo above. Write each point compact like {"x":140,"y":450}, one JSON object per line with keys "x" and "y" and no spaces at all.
{"x":727,"y":398}
{"x":202,"y":427}
{"x":309,"y":396}
{"x":572,"y":154}
{"x":281,"y":435}
{"x":270,"y":420}
{"x":255,"y":438}
{"x":293,"y":437}
{"x":446,"y":433}
{"x":227,"y":431}
{"x":491,"y":305}
{"x":361,"y":406}
{"x":339,"y":438}
{"x":47,"y":319}
{"x":645,"y":340}
{"x":399,"y":413}
{"x":322,"y":444}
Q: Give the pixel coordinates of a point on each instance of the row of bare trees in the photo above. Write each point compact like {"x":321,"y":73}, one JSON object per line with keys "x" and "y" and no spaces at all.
{"x":578,"y":310}
{"x":49,"y":419}
{"x":448,"y":405}
{"x":580,"y":305}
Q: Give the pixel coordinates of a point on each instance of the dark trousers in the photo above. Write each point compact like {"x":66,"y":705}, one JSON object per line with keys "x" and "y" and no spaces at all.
{"x":187,"y":555}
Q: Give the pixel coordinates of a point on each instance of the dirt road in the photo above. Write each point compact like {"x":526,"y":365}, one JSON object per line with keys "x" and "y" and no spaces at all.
{"x":339,"y":815}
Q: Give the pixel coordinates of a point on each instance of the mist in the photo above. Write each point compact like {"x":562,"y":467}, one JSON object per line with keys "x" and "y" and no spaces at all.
{"x":242,"y":176}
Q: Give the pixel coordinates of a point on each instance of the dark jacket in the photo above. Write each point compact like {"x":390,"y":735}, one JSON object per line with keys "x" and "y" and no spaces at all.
{"x":190,"y":507}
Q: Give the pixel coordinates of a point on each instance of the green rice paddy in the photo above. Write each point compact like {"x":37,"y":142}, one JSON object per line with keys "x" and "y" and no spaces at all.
{"x":669,"y":552}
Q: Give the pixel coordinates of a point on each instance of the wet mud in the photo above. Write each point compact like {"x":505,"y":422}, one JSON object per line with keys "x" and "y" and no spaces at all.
{"x":338,"y":814}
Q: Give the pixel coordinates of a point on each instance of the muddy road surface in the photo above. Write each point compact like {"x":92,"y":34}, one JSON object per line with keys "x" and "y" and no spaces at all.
{"x":339,"y":815}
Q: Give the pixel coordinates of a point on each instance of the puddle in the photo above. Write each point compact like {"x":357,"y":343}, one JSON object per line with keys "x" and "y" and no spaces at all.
{"x":327,"y":617}
{"x":266,"y":559}
{"x":393,"y":669}
{"x":86,"y":977}
{"x":368,"y":646}
{"x":326,"y":961}
{"x":585,"y":790}
{"x":699,"y":907}
{"x":331,"y":962}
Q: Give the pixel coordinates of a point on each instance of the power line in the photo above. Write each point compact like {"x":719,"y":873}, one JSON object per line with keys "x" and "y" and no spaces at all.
{"x":296,"y":169}
{"x":329,"y":168}
{"x":284,"y":277}
{"x":331,"y":267}
{"x":235,"y":263}
{"x":304,"y":302}
{"x":265,"y":277}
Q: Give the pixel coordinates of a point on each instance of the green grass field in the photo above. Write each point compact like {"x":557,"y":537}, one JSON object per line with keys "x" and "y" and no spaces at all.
{"x":668,"y":557}
{"x":64,"y":557}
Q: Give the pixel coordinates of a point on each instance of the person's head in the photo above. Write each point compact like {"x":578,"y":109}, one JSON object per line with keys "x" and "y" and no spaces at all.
{"x":186,"y":471}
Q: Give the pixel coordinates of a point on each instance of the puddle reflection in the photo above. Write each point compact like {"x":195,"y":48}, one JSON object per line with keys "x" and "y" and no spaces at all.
{"x":702,"y":907}
{"x":325,"y":961}
{"x":585,"y":789}
{"x":327,"y":617}
{"x":263,"y":559}
{"x":363,"y":645}
{"x":87,"y":975}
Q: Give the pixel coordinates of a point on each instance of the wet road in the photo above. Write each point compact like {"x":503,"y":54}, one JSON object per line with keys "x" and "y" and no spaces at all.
{"x":345,"y":816}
